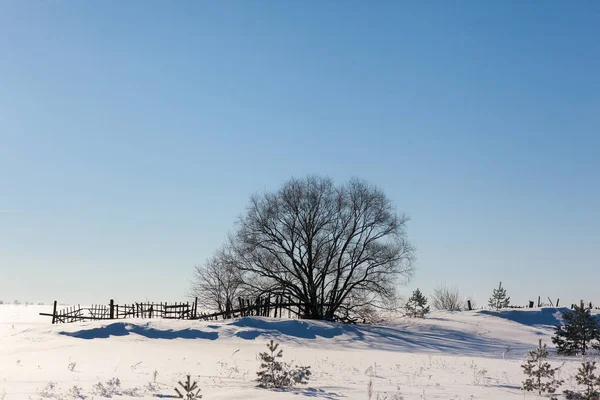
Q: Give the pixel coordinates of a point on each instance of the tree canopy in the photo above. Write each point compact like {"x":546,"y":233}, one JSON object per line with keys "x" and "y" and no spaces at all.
{"x":334,"y":249}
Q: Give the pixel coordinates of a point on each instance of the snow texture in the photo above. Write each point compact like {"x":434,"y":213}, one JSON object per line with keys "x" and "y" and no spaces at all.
{"x":449,"y":355}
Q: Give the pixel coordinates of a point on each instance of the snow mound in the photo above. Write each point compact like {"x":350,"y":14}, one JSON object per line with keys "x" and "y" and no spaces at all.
{"x":293,"y":328}
{"x":448,"y":355}
{"x":543,"y":317}
{"x":124,"y":329}
{"x":469,"y":338}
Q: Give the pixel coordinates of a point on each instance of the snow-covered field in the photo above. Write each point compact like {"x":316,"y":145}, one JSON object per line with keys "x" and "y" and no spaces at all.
{"x":468,"y":355}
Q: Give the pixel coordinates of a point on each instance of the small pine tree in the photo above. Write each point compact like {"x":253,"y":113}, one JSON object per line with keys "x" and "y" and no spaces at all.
{"x":499,"y":299}
{"x":580,"y":331}
{"x":274,"y":373}
{"x":190,"y":390}
{"x":270,"y":367}
{"x":416,"y":306}
{"x":539,"y":370}
{"x":587,"y":378}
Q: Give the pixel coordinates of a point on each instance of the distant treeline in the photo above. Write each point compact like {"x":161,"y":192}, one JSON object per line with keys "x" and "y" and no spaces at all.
{"x":27,"y":303}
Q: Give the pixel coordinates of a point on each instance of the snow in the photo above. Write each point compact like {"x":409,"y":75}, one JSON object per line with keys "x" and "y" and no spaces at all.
{"x":449,"y":355}
{"x":545,"y":316}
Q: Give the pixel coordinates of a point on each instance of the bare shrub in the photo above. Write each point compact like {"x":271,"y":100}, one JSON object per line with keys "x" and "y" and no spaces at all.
{"x":109,"y":389}
{"x":76,"y":392}
{"x":218,"y":282}
{"x":361,"y":307}
{"x":112,"y":388}
{"x":445,"y":298}
{"x":50,"y":391}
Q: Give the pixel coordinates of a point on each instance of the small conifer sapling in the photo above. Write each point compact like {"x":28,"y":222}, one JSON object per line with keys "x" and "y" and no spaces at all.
{"x":589,"y":380}
{"x":190,"y":390}
{"x":579,"y":332}
{"x":499,"y":299}
{"x":540,"y":373}
{"x":274,"y":373}
{"x":416,"y":306}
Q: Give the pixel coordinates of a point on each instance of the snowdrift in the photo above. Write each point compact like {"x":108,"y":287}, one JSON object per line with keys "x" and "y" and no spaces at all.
{"x":430,"y":335}
{"x":454,"y":355}
{"x":546,"y":316}
{"x":540,"y":317}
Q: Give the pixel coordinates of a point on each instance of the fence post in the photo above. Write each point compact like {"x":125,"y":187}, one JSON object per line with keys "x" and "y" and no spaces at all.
{"x":281,"y":301}
{"x":54,"y":313}
{"x":196,"y":308}
{"x":241,"y":307}
{"x":530,"y":304}
{"x":259,"y":302}
{"x":112,"y":309}
{"x":469,"y":305}
{"x":269,"y":306}
{"x":539,"y":302}
{"x":266,"y":306}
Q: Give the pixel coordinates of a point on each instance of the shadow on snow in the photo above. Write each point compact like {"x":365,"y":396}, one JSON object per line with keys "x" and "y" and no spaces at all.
{"x":547,"y":316}
{"x":427,"y":339}
{"x":293,"y":327}
{"x":311,"y":392}
{"x":123,"y":329}
{"x":419,"y":339}
{"x":408,"y":338}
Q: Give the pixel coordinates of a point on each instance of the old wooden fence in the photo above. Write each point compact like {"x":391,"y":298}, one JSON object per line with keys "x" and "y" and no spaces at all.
{"x":262,"y":306}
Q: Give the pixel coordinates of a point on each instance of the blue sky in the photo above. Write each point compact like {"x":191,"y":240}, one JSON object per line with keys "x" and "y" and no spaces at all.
{"x":132,"y":134}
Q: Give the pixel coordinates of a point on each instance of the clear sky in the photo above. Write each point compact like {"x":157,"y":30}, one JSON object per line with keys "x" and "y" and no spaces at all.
{"x":133,"y":132}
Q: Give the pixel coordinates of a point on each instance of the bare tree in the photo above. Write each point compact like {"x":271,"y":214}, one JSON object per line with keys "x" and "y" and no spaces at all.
{"x":218,"y":282}
{"x":445,"y":298}
{"x":334,"y":249}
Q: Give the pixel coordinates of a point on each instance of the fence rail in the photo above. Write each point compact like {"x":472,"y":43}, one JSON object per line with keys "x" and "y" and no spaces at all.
{"x":262,"y":306}
{"x":267,"y":306}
